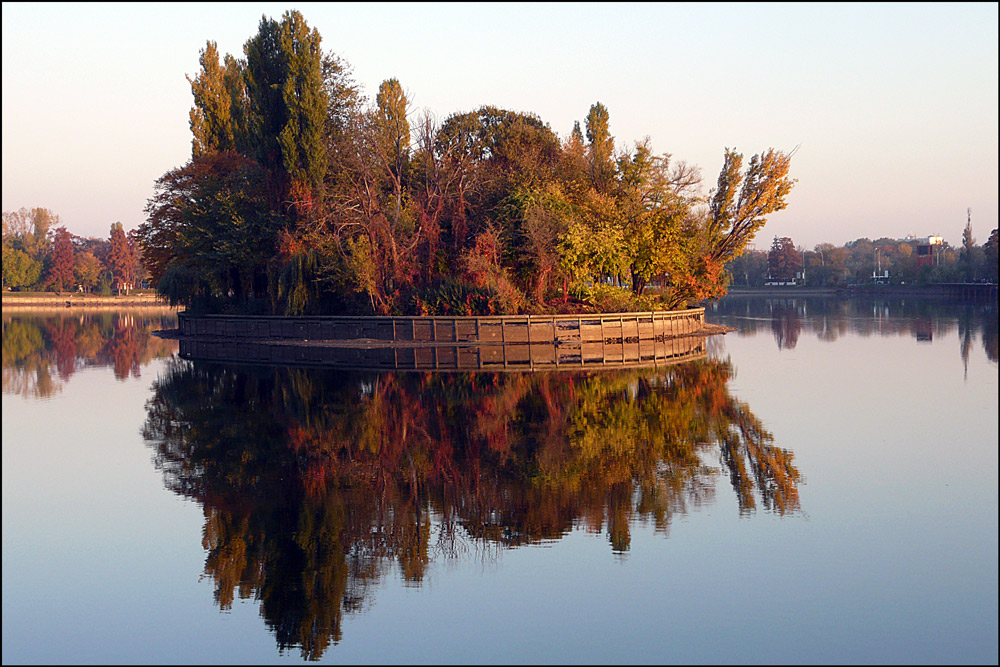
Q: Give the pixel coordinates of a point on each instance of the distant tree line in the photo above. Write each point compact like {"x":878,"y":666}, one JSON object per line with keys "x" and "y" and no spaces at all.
{"x":303,"y":196}
{"x":41,"y":254}
{"x":893,"y":261}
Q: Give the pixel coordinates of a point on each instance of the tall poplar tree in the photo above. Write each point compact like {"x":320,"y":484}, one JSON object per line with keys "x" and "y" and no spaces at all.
{"x":600,"y":147}
{"x":393,"y":137}
{"x":305,"y":101}
{"x":211,"y":117}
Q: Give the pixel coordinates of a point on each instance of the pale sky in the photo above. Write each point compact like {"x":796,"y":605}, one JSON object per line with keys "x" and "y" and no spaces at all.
{"x":893,"y":106}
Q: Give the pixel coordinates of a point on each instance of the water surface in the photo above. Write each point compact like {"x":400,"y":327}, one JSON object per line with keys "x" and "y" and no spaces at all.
{"x":821,"y":488}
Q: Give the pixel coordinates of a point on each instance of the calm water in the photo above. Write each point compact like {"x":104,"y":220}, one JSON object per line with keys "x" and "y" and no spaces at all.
{"x":822,"y":488}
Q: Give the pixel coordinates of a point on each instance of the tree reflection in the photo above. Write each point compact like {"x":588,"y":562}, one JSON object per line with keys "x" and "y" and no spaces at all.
{"x":42,"y":351}
{"x":329,"y":481}
{"x":830,"y":318}
{"x":786,"y":326}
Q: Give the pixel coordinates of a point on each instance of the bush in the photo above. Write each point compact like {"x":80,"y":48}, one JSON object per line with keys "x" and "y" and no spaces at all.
{"x":447,"y":296}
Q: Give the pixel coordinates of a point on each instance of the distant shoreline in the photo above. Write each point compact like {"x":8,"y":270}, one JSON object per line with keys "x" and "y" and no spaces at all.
{"x":13,"y":300}
{"x":937,"y":291}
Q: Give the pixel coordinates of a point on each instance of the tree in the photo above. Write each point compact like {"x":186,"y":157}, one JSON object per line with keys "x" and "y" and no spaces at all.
{"x":87,"y":270}
{"x":305,"y":101}
{"x":121,"y":259}
{"x":209,"y":231}
{"x":736,"y":213}
{"x":600,"y":147}
{"x":654,"y":200}
{"x":19,"y":270}
{"x":393,"y":138}
{"x":287,"y":104}
{"x":990,"y":253}
{"x":211,"y":118}
{"x":749,"y":269}
{"x":60,"y":273}
{"x":28,"y":230}
{"x":783,"y":260}
{"x":968,"y":254}
{"x":738,"y":208}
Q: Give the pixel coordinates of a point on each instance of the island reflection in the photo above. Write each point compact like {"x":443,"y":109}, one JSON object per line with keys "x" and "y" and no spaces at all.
{"x":316,"y":484}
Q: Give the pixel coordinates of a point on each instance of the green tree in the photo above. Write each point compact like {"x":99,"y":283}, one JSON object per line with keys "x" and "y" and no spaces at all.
{"x":968,"y":254}
{"x":264,"y":77}
{"x":19,"y":269}
{"x":211,"y":118}
{"x":990,"y":254}
{"x":749,"y":269}
{"x":600,"y":147}
{"x":305,"y":100}
{"x":287,"y":104}
{"x":208,"y":231}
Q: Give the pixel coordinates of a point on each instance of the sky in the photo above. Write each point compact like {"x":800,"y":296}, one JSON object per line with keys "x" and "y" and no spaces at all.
{"x":891,"y":108}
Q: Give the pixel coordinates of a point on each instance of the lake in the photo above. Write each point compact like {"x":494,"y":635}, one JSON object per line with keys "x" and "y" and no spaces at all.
{"x":821,"y":488}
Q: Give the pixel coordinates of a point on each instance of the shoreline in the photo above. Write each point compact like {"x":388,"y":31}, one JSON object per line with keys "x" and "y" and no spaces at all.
{"x":14,"y":301}
{"x":943,"y":290}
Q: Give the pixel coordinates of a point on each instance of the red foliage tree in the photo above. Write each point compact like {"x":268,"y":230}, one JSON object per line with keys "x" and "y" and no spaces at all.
{"x":122,"y":259}
{"x":60,"y":275}
{"x":783,"y":260}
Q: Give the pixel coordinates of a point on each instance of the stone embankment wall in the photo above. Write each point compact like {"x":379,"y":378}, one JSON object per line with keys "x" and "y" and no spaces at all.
{"x":559,"y":329}
{"x":510,"y":342}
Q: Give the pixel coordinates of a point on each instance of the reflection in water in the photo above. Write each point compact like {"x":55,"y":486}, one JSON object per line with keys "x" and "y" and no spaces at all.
{"x":41,"y":351}
{"x":830,"y":318}
{"x":330,"y":480}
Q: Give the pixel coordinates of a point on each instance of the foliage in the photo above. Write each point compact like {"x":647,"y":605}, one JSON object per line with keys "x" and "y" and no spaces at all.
{"x":783,"y":260}
{"x":59,"y":275}
{"x":122,"y":260}
{"x":209,"y":222}
{"x":359,"y":209}
{"x":87,"y":270}
{"x":990,"y":256}
{"x":19,"y":269}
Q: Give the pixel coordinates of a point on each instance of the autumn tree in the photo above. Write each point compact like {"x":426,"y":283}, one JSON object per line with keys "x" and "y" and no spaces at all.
{"x":87,"y":270}
{"x":122,"y":259}
{"x":60,"y":271}
{"x":360,"y":211}
{"x":27,"y":230}
{"x":783,"y":260}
